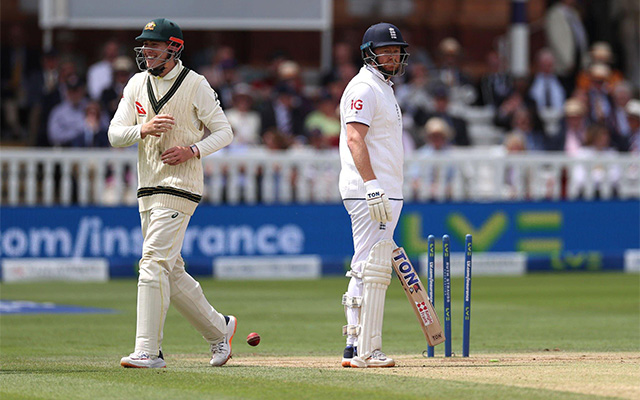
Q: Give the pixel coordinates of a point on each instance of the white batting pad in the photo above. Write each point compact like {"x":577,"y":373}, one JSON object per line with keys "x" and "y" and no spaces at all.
{"x":376,"y":277}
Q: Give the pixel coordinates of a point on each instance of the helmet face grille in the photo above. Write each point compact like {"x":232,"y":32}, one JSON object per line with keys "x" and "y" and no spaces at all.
{"x":174,"y":50}
{"x":398,"y":69}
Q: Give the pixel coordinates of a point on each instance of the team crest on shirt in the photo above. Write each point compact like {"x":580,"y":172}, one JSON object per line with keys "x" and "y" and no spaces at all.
{"x":140,"y":109}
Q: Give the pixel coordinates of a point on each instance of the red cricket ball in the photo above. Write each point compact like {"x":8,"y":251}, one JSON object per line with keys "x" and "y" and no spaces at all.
{"x":253,"y":339}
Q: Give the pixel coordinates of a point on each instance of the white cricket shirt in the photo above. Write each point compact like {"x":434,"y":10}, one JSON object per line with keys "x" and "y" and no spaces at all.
{"x":369,"y":100}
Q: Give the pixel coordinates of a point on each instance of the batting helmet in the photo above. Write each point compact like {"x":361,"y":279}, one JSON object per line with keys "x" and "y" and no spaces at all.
{"x":380,"y":35}
{"x":160,"y":30}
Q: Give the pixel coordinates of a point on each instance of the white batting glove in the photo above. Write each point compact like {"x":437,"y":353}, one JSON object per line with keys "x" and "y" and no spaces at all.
{"x":379,"y":206}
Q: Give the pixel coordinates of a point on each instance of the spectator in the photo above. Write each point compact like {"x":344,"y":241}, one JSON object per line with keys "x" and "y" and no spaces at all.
{"x":122,"y":71}
{"x":600,"y":54}
{"x":441,"y":110}
{"x":415,"y":94}
{"x":633,"y":115}
{"x":522,"y":124}
{"x":546,"y":89}
{"x":573,"y":134}
{"x":450,"y":73}
{"x":100,"y":74}
{"x":324,"y":121}
{"x":427,"y":179}
{"x":342,"y":56}
{"x":244,"y":121}
{"x":599,"y":100}
{"x":43,"y":94}
{"x":67,"y":119}
{"x":17,"y":63}
{"x":626,"y":14}
{"x":96,"y":125}
{"x":618,"y":123}
{"x":520,"y":97}
{"x":214,"y":72}
{"x":567,"y":39}
{"x":497,"y":84}
{"x":283,"y":113}
{"x":516,"y":176}
{"x":597,"y":145}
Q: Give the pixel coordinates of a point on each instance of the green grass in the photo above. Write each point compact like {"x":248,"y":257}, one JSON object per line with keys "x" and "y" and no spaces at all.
{"x":75,"y":356}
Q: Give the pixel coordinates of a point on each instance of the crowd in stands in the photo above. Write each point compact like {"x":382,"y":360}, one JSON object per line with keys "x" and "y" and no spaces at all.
{"x":52,"y":99}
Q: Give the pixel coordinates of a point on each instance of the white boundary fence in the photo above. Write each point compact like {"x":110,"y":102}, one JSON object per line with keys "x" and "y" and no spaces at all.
{"x":108,"y":177}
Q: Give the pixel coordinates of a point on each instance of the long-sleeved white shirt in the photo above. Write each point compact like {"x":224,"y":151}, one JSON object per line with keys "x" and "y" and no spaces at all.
{"x":193,"y":104}
{"x":124,"y":131}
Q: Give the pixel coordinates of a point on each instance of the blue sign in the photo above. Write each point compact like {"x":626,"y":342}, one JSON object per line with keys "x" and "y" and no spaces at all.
{"x":540,"y":229}
{"x":30,"y":307}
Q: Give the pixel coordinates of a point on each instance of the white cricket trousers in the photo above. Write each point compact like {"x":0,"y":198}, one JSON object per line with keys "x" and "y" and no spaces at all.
{"x":366,"y":232}
{"x":163,"y":279}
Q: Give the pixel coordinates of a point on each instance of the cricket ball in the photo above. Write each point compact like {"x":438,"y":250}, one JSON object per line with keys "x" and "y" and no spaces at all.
{"x":253,"y":339}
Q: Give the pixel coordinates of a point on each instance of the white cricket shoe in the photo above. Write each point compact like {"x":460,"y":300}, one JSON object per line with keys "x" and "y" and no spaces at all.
{"x":141,"y":359}
{"x":377,"y":359}
{"x":221,"y":352}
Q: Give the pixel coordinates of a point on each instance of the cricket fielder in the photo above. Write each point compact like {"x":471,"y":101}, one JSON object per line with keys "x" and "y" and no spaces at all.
{"x":164,"y":110}
{"x":372,"y":159}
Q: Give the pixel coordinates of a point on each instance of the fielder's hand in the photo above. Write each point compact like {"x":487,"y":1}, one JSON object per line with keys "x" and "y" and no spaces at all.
{"x":157,"y":125}
{"x":177,"y":155}
{"x":379,"y":206}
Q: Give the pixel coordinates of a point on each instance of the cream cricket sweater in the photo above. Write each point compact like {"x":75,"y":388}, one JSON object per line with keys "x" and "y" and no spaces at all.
{"x":190,"y":100}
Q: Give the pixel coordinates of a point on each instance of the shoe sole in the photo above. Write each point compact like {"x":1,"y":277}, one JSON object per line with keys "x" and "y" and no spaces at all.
{"x":367,"y":365}
{"x":129,"y":365}
{"x":235,"y":326}
{"x":346,"y":362}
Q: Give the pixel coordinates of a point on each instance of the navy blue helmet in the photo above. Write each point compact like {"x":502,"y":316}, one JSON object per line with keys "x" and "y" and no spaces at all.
{"x":380,"y":35}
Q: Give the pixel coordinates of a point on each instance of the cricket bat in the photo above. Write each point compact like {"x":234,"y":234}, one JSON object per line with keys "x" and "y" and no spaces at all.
{"x":427,"y":317}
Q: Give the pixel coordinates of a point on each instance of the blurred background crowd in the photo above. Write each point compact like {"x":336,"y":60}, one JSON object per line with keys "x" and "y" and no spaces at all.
{"x":581,"y":94}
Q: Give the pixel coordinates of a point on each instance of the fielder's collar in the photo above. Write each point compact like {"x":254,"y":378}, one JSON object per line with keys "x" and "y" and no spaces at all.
{"x":175,"y":71}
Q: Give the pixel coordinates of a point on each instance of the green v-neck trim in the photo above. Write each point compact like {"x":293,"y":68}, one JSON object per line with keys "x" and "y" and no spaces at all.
{"x":158,"y":104}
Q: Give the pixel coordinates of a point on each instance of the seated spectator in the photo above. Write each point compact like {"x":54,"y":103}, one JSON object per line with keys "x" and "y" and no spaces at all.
{"x":244,"y":121}
{"x":415,"y":93}
{"x":450,"y":73}
{"x":633,"y":116}
{"x":100,"y":74}
{"x":67,"y":119}
{"x":600,"y":104}
{"x":519,"y":98}
{"x":110,"y":97}
{"x":618,"y":122}
{"x":497,"y":84}
{"x":522,"y":124}
{"x":441,"y":110}
{"x":275,"y":140}
{"x":213,"y":72}
{"x":96,"y":125}
{"x":284,"y":113}
{"x":597,"y":144}
{"x":427,"y":180}
{"x":516,"y":176}
{"x":573,"y":133}
{"x":325,"y":121}
{"x":546,"y":89}
{"x":600,"y":54}
{"x":343,"y":54}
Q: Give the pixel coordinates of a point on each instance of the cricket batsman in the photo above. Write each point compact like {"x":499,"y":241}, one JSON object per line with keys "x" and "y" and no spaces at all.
{"x":372,"y":159}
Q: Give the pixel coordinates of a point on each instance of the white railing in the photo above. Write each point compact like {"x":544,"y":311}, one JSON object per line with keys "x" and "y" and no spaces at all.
{"x":108,"y":177}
